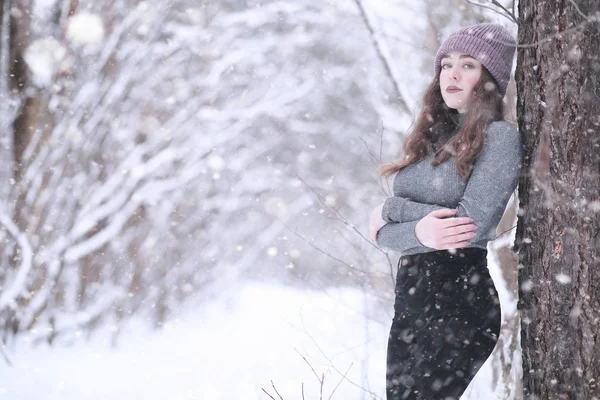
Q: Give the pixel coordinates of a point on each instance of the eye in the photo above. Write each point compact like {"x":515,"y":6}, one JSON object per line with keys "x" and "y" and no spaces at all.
{"x":471,"y":66}
{"x":445,"y":65}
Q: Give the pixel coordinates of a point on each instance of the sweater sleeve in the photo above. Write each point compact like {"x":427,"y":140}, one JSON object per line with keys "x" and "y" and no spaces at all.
{"x":400,"y":237}
{"x":402,"y":209}
{"x":494,"y":177}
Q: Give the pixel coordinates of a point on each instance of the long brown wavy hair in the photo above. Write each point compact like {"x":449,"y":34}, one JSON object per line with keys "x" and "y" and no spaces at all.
{"x":435,"y":130}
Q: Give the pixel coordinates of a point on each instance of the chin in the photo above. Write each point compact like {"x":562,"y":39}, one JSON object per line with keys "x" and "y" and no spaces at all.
{"x":455,"y":105}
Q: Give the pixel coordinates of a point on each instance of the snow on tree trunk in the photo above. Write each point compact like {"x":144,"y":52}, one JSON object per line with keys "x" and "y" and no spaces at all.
{"x":557,"y":235}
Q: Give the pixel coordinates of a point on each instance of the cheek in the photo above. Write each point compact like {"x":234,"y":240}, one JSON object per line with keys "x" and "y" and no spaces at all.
{"x":471,"y":84}
{"x":472,"y":81}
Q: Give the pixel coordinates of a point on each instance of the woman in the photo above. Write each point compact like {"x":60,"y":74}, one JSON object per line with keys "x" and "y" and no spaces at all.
{"x":461,"y":165}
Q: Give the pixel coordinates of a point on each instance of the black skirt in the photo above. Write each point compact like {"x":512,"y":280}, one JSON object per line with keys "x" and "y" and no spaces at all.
{"x":446,"y":324}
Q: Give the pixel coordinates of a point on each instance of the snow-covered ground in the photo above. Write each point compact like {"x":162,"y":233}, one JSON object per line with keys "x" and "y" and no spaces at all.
{"x":228,"y":349}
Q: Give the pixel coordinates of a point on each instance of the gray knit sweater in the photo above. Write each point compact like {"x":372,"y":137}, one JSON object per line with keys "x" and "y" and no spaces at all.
{"x":420,"y":188}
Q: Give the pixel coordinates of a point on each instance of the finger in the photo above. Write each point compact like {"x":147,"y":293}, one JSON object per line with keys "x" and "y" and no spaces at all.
{"x":456,"y":221}
{"x":459,"y":229}
{"x":459,"y":238}
{"x":460,"y":220}
{"x":444,"y":212}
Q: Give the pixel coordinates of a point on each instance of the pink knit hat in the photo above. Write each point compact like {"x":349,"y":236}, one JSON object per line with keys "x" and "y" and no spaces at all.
{"x":490,"y":44}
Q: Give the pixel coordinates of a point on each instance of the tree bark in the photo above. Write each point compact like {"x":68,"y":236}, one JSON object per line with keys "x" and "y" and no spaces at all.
{"x":9,"y":103}
{"x":557,"y":239}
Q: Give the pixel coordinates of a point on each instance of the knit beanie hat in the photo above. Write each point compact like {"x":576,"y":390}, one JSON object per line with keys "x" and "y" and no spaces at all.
{"x":490,"y":44}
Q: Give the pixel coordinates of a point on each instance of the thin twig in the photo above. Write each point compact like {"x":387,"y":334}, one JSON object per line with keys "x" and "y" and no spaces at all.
{"x":267,"y":393}
{"x":377,"y":160}
{"x":335,"y":368}
{"x":275,"y":389}
{"x":510,"y":14}
{"x":339,"y":383}
{"x":380,"y":53}
{"x":337,"y":214}
{"x":322,"y":380}
{"x":341,"y":218}
{"x":381,"y":154}
{"x":314,"y":246}
{"x":509,"y":229}
{"x":305,"y":360}
{"x":506,"y":14}
{"x":578,"y":10}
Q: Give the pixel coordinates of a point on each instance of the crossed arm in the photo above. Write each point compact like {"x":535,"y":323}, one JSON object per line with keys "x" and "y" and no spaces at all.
{"x":494,"y":178}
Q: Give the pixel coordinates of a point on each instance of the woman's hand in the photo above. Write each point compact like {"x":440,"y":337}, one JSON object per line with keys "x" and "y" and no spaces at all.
{"x":440,"y":233}
{"x":376,"y":222}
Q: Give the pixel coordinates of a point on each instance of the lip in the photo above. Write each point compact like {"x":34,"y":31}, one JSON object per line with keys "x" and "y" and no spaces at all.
{"x":453,"y":89}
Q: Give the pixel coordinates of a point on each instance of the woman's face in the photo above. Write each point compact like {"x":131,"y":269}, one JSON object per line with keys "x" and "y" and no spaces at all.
{"x":458,"y":76}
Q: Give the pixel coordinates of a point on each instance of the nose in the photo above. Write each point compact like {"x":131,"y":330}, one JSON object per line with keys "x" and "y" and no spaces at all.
{"x":455,"y":73}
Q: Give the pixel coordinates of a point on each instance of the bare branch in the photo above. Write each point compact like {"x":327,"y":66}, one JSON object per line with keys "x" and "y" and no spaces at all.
{"x":506,"y":12}
{"x":340,"y":382}
{"x":343,"y":219}
{"x":510,"y":14}
{"x":311,"y":367}
{"x":337,"y":214}
{"x":321,"y":391}
{"x":275,"y":389}
{"x":267,"y":393}
{"x":311,"y":244}
{"x":383,"y":54}
{"x":335,"y":368}
{"x":578,"y":9}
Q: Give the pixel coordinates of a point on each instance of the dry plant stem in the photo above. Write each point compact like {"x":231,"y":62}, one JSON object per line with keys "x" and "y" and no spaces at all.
{"x":506,"y":13}
{"x":335,"y":212}
{"x":321,"y":251}
{"x":321,"y":380}
{"x":275,"y":389}
{"x":335,"y":368}
{"x":306,"y":361}
{"x":380,"y":55}
{"x":340,"y":382}
{"x":345,"y":221}
{"x":267,"y":393}
{"x":377,"y":160}
{"x":578,"y":10}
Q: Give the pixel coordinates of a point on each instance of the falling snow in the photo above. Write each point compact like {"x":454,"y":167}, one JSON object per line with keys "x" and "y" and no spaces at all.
{"x":85,"y":29}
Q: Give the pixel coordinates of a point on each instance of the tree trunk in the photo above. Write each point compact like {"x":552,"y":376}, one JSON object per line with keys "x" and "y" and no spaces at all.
{"x":9,"y":103}
{"x":557,"y":240}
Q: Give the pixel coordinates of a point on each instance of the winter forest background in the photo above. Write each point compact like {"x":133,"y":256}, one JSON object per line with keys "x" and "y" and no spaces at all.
{"x":186,"y":188}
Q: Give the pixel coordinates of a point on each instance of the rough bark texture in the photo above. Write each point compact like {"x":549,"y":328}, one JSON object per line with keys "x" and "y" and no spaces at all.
{"x":558,"y":81}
